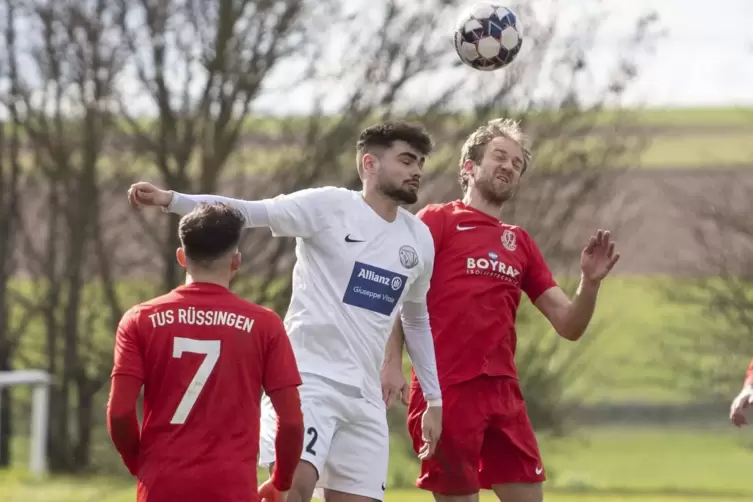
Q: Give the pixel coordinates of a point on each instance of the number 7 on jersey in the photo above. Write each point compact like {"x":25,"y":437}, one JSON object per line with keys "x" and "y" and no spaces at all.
{"x":211,"y":351}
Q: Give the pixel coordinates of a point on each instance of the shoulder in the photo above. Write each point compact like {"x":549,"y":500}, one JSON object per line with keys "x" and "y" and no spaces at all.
{"x":514,"y":237}
{"x":137,"y":313}
{"x":264,"y":315}
{"x":420,"y":231}
{"x":328,"y":193}
{"x":316,"y":195}
{"x":435,"y":211}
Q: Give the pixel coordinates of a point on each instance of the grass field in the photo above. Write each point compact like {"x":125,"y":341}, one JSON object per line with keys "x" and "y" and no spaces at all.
{"x":633,"y":324}
{"x":606,"y":465}
{"x":686,"y":138}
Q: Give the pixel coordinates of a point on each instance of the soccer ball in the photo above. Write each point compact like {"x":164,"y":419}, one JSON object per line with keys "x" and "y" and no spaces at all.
{"x":488,"y":37}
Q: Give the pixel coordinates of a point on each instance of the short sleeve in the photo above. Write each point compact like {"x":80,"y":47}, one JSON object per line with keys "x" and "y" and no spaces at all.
{"x":538,"y":277}
{"x":280,"y":368}
{"x":433,"y":217}
{"x":420,"y":287}
{"x":128,"y":358}
{"x":303,"y":213}
{"x":749,"y":374}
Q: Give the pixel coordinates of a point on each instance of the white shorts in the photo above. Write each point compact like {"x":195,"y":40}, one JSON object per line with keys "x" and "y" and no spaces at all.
{"x":345,"y":438}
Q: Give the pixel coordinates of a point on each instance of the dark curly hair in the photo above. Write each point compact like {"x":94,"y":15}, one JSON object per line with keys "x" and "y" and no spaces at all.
{"x":385,"y":134}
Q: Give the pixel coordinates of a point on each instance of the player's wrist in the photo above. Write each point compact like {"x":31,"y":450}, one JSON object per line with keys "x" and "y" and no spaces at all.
{"x":434,"y":403}
{"x":168,"y":198}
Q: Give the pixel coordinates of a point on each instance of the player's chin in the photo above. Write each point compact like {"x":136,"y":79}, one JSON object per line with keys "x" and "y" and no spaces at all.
{"x":408,"y":195}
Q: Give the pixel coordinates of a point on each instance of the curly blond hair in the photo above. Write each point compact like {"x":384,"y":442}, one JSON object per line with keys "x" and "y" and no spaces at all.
{"x":475,"y":146}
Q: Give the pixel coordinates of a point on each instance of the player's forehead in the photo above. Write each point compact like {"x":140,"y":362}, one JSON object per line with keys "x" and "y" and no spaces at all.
{"x":505,"y":145}
{"x":400,"y":148}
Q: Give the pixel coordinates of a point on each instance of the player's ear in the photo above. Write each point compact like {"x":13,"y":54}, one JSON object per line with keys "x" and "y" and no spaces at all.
{"x":468,"y":166}
{"x":235,"y":261}
{"x":370,"y":163}
{"x":180,"y":255}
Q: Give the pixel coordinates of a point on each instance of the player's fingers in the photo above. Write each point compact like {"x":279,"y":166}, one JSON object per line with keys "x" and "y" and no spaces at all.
{"x":591,"y":245}
{"x":599,"y":237}
{"x":610,"y":250}
{"x":607,"y":238}
{"x":405,"y":395}
{"x":389,"y":397}
{"x":132,"y":198}
{"x":613,"y":262}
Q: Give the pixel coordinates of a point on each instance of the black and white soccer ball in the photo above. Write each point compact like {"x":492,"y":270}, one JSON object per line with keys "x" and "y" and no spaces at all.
{"x":488,"y":36}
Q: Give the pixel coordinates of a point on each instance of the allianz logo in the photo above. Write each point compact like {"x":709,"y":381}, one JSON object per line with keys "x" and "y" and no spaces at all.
{"x":393,"y":282}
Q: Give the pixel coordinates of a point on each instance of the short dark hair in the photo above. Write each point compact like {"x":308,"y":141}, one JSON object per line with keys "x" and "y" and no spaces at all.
{"x":209,"y":232}
{"x":385,"y":134}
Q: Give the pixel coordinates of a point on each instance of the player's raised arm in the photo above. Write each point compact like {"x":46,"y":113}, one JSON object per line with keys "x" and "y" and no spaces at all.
{"x":127,"y":379}
{"x":570,"y":318}
{"x":299,"y":214}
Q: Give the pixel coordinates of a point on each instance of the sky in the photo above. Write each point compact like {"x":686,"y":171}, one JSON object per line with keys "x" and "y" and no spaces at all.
{"x":704,"y":58}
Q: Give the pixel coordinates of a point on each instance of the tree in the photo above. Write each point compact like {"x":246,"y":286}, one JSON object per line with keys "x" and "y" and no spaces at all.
{"x":709,"y":356}
{"x":200,"y":70}
{"x":61,"y":102}
{"x":11,"y":188}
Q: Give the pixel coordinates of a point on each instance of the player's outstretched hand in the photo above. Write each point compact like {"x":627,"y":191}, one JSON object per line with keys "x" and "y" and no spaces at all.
{"x":742,"y":402}
{"x":145,"y":194}
{"x":599,"y":257}
{"x":431,"y":430}
{"x":394,"y":385}
{"x":268,"y":493}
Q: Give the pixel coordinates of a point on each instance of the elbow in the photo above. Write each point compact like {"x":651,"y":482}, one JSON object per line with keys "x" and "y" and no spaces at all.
{"x":569,"y":333}
{"x":571,"y":336}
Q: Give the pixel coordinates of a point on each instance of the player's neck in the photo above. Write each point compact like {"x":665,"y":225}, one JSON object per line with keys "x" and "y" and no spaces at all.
{"x":476,"y":201}
{"x":206,"y":278}
{"x":383,"y":206}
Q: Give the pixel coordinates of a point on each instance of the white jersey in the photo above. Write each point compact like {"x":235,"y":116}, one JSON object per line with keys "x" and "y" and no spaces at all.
{"x":352,"y":273}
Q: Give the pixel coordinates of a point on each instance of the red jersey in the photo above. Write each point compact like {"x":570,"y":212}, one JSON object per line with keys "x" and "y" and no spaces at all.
{"x":204,"y":356}
{"x":749,"y":374}
{"x":480,"y":268}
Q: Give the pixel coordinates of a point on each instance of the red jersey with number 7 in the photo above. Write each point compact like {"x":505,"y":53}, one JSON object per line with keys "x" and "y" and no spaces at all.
{"x":204,"y":356}
{"x":481,"y":265}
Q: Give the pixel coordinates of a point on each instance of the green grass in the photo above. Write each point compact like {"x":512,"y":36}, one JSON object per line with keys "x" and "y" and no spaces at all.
{"x":605,"y":465}
{"x":671,"y":148}
{"x":632,"y":325}
{"x":724,"y":116}
{"x":698,"y":150}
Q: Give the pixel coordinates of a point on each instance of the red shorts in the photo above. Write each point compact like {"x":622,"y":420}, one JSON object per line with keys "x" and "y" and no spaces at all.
{"x":487,"y":438}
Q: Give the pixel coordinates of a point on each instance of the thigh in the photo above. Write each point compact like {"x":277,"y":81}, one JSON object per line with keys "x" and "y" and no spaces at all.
{"x":454,"y":468}
{"x":321,"y":414}
{"x":510,"y":452}
{"x":359,"y":455}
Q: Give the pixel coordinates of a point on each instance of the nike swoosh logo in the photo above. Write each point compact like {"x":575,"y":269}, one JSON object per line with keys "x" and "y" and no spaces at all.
{"x":539,"y":470}
{"x":461,"y":228}
{"x":349,"y":239}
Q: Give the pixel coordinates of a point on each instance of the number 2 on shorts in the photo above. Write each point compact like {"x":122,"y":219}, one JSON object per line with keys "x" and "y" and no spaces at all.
{"x":211,"y":351}
{"x":311,"y":431}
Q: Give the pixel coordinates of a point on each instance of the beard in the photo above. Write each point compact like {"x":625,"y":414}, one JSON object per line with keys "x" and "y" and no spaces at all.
{"x":494,"y":191}
{"x":399,"y":194}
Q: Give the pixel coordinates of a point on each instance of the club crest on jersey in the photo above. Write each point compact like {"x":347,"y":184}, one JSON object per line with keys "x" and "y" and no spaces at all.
{"x":373,"y":288}
{"x":408,"y":257}
{"x":509,"y":241}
